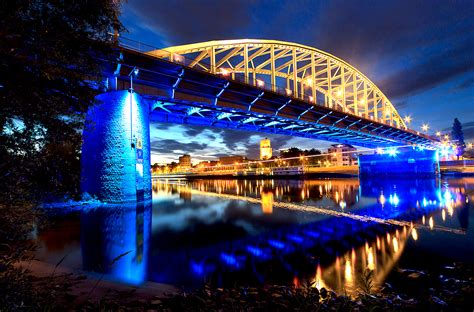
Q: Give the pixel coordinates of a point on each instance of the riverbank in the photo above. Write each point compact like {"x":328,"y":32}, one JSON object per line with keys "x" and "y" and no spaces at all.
{"x":451,"y":288}
{"x":87,"y":288}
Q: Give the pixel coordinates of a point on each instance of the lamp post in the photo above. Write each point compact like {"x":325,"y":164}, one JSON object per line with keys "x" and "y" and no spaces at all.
{"x":133,"y":72}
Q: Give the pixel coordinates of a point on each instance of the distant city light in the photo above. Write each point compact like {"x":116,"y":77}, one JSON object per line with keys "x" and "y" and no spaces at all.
{"x":339,"y":93}
{"x":288,"y":91}
{"x":438,"y":133}
{"x":311,"y":99}
{"x":342,"y":204}
{"x":309,"y":81}
{"x":260,"y":83}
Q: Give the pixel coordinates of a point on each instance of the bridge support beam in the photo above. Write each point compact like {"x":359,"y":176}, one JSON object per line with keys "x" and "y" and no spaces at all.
{"x":402,"y":163}
{"x":115,"y":157}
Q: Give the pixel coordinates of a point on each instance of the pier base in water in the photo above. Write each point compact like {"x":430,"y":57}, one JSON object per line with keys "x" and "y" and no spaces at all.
{"x":400,"y":163}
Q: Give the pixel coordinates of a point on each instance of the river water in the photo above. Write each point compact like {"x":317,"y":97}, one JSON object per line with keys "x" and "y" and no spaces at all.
{"x":255,"y":232}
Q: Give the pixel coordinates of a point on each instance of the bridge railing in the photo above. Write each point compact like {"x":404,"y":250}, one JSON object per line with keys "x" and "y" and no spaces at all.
{"x":260,"y":84}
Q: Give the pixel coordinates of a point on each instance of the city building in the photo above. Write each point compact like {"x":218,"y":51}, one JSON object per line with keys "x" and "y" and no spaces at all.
{"x":265,"y":149}
{"x":185,"y":161}
{"x":230,"y":160}
{"x":204,"y":164}
{"x":342,"y":155}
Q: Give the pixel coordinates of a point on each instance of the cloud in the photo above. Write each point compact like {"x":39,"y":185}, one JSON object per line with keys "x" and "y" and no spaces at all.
{"x":169,"y":141}
{"x":166,"y":146}
{"x":468,"y":130}
{"x":465,"y":84}
{"x":188,"y":21}
{"x":432,"y":72}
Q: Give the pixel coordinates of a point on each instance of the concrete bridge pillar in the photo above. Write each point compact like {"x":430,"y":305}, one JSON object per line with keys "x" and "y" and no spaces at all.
{"x":115,"y":156}
{"x":403,"y":162}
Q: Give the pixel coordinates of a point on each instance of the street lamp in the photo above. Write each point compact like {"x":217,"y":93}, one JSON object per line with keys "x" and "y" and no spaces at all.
{"x":425,"y":128}
{"x":407,"y":119}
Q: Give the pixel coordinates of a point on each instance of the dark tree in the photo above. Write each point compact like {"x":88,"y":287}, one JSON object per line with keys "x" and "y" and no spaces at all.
{"x":49,"y":52}
{"x":458,"y":137}
{"x":296,"y":152}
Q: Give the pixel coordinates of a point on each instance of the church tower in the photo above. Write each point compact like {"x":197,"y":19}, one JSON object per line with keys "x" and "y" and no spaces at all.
{"x":265,"y":149}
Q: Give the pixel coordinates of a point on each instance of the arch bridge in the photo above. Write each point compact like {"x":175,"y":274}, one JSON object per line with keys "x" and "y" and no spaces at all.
{"x":254,"y":85}
{"x":293,"y":69}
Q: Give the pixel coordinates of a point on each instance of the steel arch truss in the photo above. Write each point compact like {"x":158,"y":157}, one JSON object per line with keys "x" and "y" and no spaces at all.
{"x":298,"y":71}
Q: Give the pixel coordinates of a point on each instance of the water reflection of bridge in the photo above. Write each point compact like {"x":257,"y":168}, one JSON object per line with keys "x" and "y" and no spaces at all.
{"x":290,"y":194}
{"x":335,"y":248}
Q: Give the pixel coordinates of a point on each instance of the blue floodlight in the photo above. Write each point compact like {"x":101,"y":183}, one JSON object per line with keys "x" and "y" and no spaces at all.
{"x":392,"y":151}
{"x":445,"y":152}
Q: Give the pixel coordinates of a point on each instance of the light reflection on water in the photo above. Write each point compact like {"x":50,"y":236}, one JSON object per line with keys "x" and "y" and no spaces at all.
{"x":231,"y":232}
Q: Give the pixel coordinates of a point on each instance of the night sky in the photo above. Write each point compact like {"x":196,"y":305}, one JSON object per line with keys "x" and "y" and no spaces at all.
{"x":419,"y":53}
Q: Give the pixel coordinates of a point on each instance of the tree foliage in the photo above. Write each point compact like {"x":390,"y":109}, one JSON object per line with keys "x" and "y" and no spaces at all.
{"x":49,"y":53}
{"x":458,"y":137}
{"x":296,"y":152}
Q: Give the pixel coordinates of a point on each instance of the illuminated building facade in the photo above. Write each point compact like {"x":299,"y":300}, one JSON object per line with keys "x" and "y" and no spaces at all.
{"x":342,"y":155}
{"x":185,"y":161}
{"x":265,"y":149}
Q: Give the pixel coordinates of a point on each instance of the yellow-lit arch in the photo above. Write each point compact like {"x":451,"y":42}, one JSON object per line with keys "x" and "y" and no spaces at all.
{"x":301,"y":71}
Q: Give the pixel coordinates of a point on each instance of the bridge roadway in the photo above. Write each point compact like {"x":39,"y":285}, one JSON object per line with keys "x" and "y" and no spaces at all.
{"x":180,"y":94}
